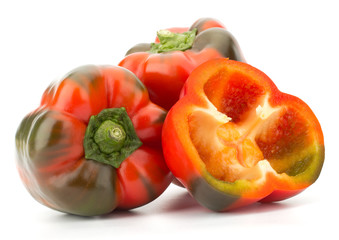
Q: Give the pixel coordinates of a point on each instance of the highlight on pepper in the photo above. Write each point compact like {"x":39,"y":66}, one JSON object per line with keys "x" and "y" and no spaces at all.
{"x":234,"y":139}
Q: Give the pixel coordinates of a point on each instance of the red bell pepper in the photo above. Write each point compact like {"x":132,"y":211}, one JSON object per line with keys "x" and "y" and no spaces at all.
{"x":234,"y":138}
{"x":163,"y":66}
{"x":94,"y":144}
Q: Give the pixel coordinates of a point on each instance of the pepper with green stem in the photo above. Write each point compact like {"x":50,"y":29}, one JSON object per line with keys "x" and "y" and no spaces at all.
{"x":94,"y":144}
{"x":164,"y":66}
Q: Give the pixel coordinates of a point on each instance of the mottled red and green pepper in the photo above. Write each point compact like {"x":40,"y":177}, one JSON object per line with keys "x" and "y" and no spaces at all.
{"x":163,"y":66}
{"x":94,"y":144}
{"x":234,"y":138}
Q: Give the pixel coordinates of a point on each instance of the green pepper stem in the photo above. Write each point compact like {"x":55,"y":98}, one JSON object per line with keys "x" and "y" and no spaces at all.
{"x":110,"y":137}
{"x":170,"y":41}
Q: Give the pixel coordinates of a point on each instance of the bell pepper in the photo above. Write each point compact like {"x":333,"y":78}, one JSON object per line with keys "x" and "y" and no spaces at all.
{"x":234,"y":139}
{"x":94,"y":144}
{"x":163,"y":66}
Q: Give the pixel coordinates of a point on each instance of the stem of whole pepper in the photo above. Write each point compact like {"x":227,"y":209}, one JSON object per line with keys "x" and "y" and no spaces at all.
{"x":110,"y":137}
{"x":170,"y":41}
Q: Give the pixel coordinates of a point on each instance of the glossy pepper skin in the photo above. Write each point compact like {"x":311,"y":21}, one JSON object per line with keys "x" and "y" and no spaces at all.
{"x":234,"y":139}
{"x":164,"y":68}
{"x":93,"y":145}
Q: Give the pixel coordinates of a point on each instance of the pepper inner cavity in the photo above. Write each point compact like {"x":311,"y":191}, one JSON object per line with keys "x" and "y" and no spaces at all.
{"x":229,"y":150}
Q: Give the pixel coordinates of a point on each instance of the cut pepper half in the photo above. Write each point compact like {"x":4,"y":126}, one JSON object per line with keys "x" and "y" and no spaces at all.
{"x":234,"y":138}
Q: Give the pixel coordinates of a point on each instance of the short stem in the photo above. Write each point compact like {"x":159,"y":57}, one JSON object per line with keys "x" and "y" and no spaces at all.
{"x":170,"y":41}
{"x":110,"y":137}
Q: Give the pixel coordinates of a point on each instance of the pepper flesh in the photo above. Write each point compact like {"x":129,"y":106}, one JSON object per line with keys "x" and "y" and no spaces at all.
{"x":165,"y":72}
{"x":60,"y":173}
{"x":234,"y":138}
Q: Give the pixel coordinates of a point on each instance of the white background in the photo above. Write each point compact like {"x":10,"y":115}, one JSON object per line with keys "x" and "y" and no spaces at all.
{"x":293,"y":42}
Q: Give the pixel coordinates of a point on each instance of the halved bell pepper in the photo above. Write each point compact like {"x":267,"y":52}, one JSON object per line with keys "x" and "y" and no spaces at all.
{"x":94,"y":144}
{"x":234,"y":139}
{"x":163,"y":66}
